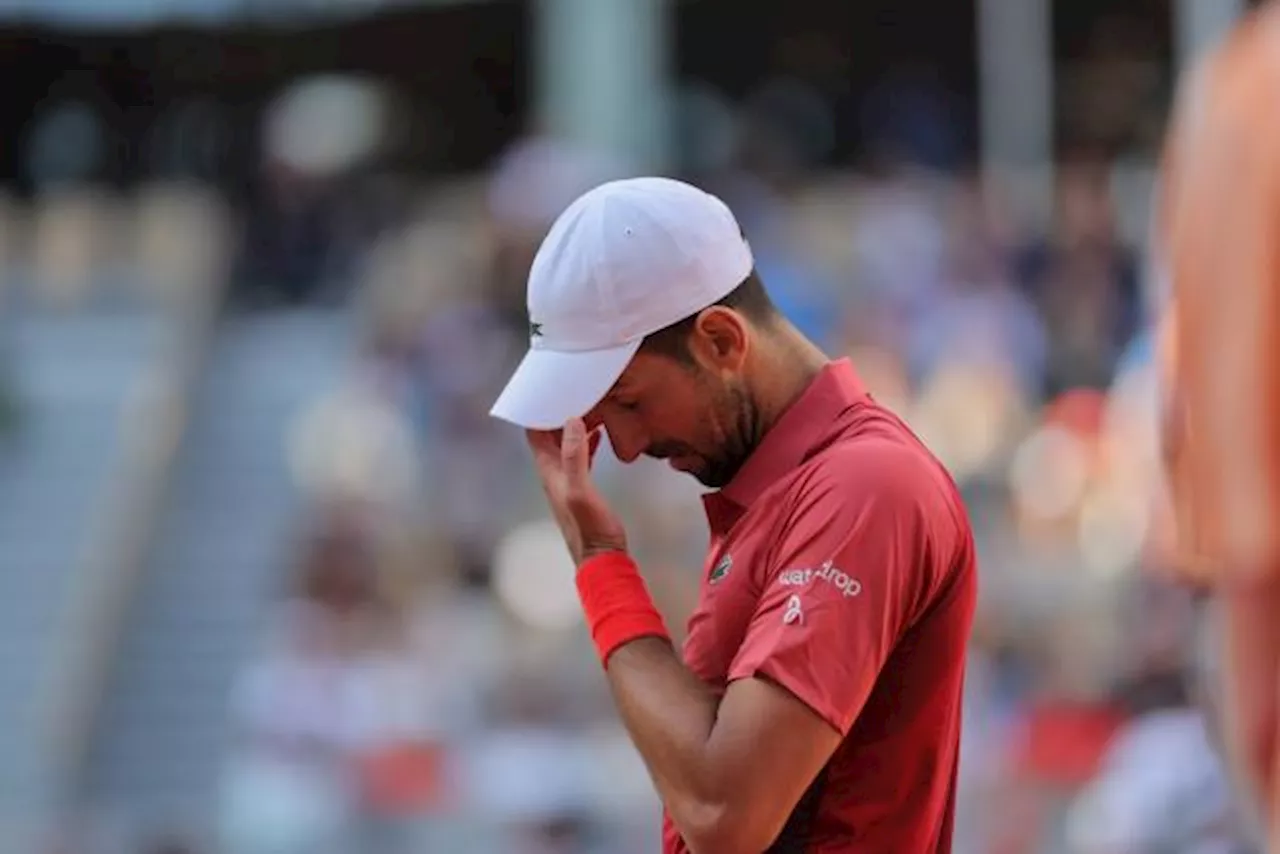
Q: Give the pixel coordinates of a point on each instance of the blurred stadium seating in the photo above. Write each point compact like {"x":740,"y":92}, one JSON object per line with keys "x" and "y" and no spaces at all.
{"x":273,"y":582}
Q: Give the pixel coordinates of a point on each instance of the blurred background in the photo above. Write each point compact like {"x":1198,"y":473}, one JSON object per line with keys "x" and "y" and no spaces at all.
{"x":272,"y":582}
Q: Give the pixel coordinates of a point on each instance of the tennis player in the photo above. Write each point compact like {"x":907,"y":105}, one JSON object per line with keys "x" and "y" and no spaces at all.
{"x":816,"y":704}
{"x":1219,"y":237}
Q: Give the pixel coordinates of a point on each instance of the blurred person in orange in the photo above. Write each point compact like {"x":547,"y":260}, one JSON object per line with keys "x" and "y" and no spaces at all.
{"x":816,"y":705}
{"x":1219,"y":236}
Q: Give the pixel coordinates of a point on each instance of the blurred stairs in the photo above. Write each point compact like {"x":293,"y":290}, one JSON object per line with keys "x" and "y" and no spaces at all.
{"x":76,"y":377}
{"x":218,"y":554}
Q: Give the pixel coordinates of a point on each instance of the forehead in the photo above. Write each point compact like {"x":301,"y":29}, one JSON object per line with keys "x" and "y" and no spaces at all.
{"x":646,"y":370}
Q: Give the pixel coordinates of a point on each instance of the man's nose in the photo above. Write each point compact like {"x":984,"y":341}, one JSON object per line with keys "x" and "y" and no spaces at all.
{"x":627,"y":442}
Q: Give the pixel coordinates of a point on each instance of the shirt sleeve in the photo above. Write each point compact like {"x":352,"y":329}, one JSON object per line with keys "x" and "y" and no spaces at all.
{"x":842,"y":584}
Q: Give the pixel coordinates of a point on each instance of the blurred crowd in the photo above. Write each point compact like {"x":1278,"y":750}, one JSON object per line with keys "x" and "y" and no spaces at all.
{"x":1024,"y":357}
{"x":424,"y":684}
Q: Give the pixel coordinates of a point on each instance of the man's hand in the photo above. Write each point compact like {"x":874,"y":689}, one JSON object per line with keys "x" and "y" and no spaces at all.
{"x":563,"y":459}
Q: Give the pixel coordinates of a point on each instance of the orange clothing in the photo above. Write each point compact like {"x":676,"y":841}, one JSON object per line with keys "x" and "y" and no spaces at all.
{"x":1218,"y":236}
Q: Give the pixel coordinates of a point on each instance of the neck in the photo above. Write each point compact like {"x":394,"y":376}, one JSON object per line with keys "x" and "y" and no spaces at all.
{"x":789,"y":362}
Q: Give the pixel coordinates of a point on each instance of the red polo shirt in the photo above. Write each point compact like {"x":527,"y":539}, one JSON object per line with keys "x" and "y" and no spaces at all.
{"x":842,"y":568}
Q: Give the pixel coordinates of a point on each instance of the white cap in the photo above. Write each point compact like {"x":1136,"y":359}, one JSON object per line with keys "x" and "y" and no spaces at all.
{"x":625,"y":260}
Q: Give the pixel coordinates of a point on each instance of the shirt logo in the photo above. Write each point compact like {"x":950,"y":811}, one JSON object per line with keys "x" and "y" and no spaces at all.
{"x":535,"y":329}
{"x":721,"y":569}
{"x":827,"y":573}
{"x":794,"y":613}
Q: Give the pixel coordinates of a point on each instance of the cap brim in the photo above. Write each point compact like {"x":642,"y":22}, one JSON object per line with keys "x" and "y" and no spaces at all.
{"x":552,"y":386}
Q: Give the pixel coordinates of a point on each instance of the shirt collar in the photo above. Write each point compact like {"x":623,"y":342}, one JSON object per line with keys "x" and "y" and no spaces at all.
{"x":792,"y":438}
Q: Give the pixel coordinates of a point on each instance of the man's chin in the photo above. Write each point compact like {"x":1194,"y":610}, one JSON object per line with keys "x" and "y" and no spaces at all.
{"x":708,"y":476}
{"x":686,"y":465}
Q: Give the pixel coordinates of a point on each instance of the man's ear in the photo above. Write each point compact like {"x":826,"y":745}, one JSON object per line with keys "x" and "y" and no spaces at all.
{"x":720,"y":338}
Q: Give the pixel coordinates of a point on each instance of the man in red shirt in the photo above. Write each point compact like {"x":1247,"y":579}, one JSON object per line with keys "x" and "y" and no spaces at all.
{"x":816,"y":705}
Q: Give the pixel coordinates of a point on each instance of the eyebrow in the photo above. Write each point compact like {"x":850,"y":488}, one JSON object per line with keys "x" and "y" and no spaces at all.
{"x":622,"y":386}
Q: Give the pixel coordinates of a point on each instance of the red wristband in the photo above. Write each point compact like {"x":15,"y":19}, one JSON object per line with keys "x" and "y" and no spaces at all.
{"x":617,"y":603}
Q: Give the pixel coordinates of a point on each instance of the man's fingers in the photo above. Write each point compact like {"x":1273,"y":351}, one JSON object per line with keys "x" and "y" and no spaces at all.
{"x":593,"y":445}
{"x":544,"y":440}
{"x":580,"y":494}
{"x":545,"y":445}
{"x":575,"y":455}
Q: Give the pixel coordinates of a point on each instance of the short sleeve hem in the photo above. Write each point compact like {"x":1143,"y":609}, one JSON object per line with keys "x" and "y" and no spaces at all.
{"x":796,"y":687}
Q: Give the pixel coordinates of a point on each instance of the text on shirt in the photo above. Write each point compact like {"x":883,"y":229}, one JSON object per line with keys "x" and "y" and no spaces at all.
{"x":827,"y":572}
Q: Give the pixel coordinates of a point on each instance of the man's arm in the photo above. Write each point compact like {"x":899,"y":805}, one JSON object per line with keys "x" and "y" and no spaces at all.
{"x":1221,"y":215}
{"x":729,"y":772}
{"x":1222,"y":252}
{"x":732,"y":770}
